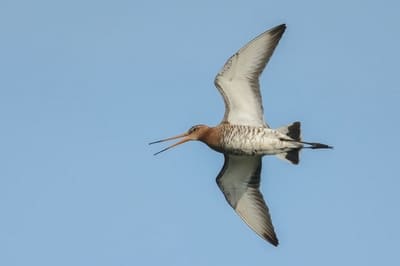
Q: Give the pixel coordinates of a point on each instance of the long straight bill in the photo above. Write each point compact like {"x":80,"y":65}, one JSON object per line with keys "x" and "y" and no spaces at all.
{"x":173,"y":145}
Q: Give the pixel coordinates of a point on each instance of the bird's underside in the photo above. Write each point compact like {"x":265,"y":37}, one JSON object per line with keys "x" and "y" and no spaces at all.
{"x":243,"y":135}
{"x":248,"y":140}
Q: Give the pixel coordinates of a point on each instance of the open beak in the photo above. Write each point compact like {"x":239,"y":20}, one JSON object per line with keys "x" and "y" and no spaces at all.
{"x":185,"y":137}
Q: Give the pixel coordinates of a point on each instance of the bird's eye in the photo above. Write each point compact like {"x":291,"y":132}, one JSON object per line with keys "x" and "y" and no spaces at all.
{"x":193,"y":129}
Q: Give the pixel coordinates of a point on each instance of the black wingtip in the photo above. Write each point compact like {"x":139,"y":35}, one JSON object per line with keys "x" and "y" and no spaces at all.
{"x":271,"y":239}
{"x":278,"y":29}
{"x":277,"y":32}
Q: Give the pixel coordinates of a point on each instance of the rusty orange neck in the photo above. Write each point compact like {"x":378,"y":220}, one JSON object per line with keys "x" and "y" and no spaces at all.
{"x":212,"y":137}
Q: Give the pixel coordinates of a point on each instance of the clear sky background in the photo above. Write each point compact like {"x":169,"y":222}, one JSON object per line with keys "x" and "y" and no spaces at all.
{"x":85,"y":85}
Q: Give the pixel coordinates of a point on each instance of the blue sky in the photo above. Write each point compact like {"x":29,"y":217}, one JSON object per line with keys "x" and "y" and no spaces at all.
{"x":85,"y":85}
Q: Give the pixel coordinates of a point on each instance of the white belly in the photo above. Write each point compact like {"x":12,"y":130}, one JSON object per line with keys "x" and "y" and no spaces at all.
{"x":258,"y":141}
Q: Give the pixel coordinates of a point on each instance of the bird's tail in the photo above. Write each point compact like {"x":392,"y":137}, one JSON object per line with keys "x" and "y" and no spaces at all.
{"x":293,"y":131}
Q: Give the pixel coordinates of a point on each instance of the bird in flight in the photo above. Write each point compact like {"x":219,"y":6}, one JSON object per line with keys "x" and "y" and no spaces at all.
{"x":243,"y":136}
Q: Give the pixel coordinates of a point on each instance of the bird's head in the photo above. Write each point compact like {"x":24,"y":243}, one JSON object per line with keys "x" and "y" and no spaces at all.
{"x":194,"y":133}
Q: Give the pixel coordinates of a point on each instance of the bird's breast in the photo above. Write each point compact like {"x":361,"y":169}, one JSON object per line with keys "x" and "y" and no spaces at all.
{"x":246,"y":140}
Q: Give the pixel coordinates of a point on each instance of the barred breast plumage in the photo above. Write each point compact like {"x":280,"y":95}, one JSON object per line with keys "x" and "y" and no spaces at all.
{"x":248,"y":140}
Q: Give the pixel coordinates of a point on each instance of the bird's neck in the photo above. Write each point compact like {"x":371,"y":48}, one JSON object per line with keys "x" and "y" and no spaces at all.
{"x":212,"y":137}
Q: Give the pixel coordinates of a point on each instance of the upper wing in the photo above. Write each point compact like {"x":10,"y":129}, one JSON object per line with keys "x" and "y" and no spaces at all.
{"x":239,"y":180}
{"x":238,"y":80}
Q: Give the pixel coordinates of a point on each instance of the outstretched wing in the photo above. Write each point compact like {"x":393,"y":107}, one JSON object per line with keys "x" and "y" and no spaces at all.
{"x":239,"y":180}
{"x":238,"y":81}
